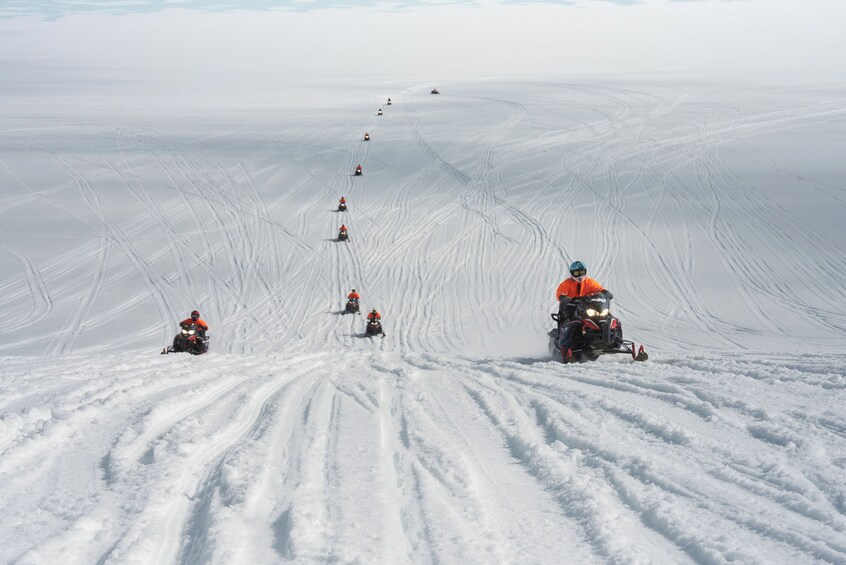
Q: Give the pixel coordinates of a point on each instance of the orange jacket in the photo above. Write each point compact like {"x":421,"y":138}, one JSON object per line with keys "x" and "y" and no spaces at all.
{"x":200,"y":323}
{"x":343,"y":200}
{"x":374,"y":316}
{"x":575,"y":289}
{"x":353,"y":296}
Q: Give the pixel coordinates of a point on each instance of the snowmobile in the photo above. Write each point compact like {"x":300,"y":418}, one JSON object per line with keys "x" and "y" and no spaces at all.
{"x":435,"y":91}
{"x":352,"y":306}
{"x":358,"y":171}
{"x":597,"y":332}
{"x":190,"y":340}
{"x":374,"y":327}
{"x":379,"y":113}
{"x":389,"y":101}
{"x":342,"y":207}
{"x":366,"y":137}
{"x":343,"y":235}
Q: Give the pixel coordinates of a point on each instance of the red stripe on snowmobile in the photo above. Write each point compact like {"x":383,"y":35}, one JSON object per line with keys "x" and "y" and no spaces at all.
{"x":590,"y":325}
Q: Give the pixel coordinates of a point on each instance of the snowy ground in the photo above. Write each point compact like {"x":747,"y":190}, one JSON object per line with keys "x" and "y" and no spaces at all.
{"x":713,"y":212}
{"x":370,"y":457}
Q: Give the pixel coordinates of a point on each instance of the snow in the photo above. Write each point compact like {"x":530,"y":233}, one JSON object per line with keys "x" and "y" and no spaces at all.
{"x":366,"y":456}
{"x":711,"y":208}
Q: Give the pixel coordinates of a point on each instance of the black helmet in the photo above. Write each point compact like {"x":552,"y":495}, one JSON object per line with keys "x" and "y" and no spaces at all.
{"x":353,"y":290}
{"x":195,"y":314}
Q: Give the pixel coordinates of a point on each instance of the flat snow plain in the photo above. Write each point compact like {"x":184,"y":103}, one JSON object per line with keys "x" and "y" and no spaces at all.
{"x":714,"y":214}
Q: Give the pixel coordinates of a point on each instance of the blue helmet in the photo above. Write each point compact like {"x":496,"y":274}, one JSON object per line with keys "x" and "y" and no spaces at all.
{"x":578,"y":269}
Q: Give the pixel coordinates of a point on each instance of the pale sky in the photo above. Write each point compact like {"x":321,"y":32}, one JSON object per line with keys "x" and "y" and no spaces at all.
{"x":779,"y":38}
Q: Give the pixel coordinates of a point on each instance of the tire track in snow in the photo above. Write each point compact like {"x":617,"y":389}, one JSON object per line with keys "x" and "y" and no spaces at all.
{"x":620,"y":470}
{"x":42,"y":302}
{"x":161,"y":530}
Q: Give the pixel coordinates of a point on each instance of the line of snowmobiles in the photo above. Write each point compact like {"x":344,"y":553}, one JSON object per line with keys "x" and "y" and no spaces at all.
{"x":374,"y":324}
{"x":596,"y":332}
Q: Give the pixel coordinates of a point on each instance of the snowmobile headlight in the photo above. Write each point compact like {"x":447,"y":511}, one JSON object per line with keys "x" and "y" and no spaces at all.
{"x":592,"y":313}
{"x":603,"y":313}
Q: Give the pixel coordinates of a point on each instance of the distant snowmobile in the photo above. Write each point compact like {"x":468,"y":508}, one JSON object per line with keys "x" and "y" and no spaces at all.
{"x":389,"y":101}
{"x":343,"y":235}
{"x":190,"y":339}
{"x":342,"y":207}
{"x":435,"y":91}
{"x":352,"y":307}
{"x":379,"y":113}
{"x":366,"y":136}
{"x":374,"y":327}
{"x":358,"y":171}
{"x":597,"y":332}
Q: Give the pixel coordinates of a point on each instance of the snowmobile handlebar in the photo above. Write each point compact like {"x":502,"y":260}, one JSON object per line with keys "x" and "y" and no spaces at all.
{"x":601,"y":294}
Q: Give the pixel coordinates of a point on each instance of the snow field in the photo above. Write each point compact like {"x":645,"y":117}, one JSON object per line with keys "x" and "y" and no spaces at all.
{"x":385,"y":458}
{"x":454,"y":439}
{"x":471,"y":205}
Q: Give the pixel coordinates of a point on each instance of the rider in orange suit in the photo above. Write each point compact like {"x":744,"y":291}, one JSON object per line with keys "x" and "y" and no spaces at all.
{"x":574,"y":287}
{"x":578,"y":285}
{"x":195,"y":319}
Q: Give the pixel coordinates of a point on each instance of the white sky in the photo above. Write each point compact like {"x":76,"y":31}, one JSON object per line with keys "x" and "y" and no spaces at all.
{"x":781,"y":38}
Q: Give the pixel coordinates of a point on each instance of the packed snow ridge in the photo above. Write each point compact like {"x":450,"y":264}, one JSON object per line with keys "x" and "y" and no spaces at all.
{"x":714,"y":214}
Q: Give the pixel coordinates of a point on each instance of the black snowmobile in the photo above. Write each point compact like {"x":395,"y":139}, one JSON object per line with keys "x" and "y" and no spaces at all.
{"x":190,"y":339}
{"x":435,"y":91}
{"x":379,"y":113}
{"x":342,"y":207}
{"x":389,"y":101}
{"x":358,"y":171}
{"x":374,"y":327}
{"x":366,"y":137}
{"x":596,"y":332}
{"x":352,"y":306}
{"x":343,"y":236}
